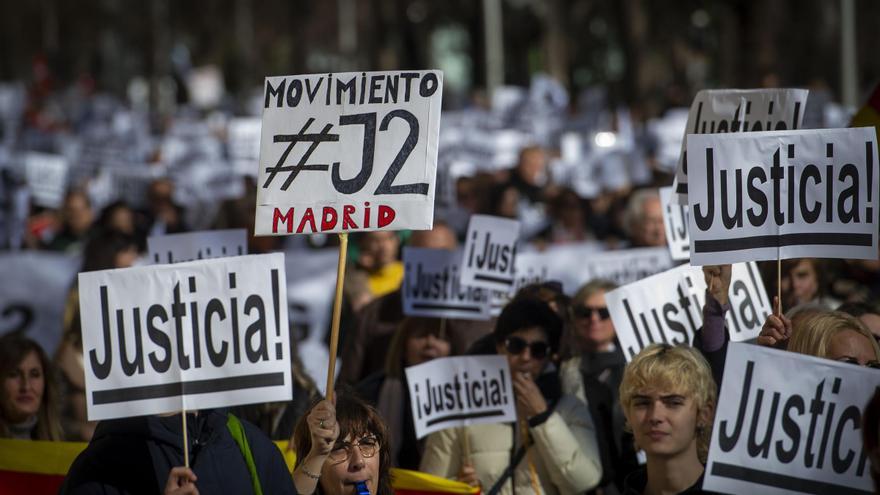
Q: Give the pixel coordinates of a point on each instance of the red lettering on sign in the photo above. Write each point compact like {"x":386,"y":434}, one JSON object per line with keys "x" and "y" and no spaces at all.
{"x":347,"y":222}
{"x":308,"y":217}
{"x":286,"y":218}
{"x":386,"y":215}
{"x":328,"y":219}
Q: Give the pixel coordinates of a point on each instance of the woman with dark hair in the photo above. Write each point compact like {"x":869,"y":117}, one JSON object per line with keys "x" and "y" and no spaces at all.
{"x":28,"y":407}
{"x":342,"y":449}
{"x":417,"y":340}
{"x":551,"y":448}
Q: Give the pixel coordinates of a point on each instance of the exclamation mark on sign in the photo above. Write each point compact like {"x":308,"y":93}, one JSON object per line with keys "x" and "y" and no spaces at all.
{"x":869,"y":161}
{"x":279,"y":348}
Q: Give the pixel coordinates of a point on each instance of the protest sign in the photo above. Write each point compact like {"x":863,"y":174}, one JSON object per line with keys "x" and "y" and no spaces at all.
{"x":203,"y":334}
{"x":348,"y":152}
{"x":490,"y":252}
{"x":738,"y":110}
{"x":32,"y":297}
{"x":46,"y":177}
{"x":792,"y":424}
{"x":675,"y":221}
{"x":783,"y":194}
{"x":460,"y":391}
{"x":668,"y":307}
{"x":431,"y":286}
{"x":175,"y":248}
{"x":243,"y":137}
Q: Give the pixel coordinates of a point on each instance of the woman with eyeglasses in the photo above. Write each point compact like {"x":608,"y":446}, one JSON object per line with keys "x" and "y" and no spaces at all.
{"x":342,"y":449}
{"x":552,"y":446}
{"x":594,"y":374}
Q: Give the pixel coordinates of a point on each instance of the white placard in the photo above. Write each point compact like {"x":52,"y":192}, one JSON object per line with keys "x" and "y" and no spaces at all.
{"x":675,"y":221}
{"x":460,"y":391}
{"x":784,"y":194}
{"x":33,"y":293}
{"x":46,"y":177}
{"x":352,"y":151}
{"x":738,"y":110}
{"x":195,"y":335}
{"x":191,"y":246}
{"x":791,"y":423}
{"x":431,"y":286}
{"x":668,"y":307}
{"x":489,"y":254}
{"x":243,"y":135}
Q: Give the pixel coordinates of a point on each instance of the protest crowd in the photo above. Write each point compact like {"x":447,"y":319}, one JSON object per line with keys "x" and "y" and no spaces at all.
{"x":88,"y":183}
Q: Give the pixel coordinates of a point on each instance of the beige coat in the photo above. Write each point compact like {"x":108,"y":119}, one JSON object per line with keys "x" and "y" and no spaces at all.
{"x":564,"y":452}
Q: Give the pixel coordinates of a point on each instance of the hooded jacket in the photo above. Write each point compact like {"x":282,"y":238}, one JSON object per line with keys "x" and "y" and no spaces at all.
{"x":135,"y":455}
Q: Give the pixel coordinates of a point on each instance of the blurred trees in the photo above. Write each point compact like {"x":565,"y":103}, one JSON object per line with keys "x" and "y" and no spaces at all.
{"x":648,"y":53}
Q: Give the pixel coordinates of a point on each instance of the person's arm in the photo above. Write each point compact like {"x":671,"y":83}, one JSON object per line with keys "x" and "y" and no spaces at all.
{"x":324,"y":431}
{"x":565,"y":439}
{"x":713,"y":334}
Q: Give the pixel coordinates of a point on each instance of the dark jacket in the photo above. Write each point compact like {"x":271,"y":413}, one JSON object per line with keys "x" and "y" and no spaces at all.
{"x":134,"y":456}
{"x":637,"y":481}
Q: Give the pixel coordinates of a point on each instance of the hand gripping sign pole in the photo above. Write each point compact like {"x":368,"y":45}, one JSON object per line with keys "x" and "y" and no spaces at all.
{"x":337,"y":311}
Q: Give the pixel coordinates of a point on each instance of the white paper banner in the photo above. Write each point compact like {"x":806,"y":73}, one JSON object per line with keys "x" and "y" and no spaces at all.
{"x":737,"y":110}
{"x":790,"y":424}
{"x":243,"y":135}
{"x":348,"y":152}
{"x":668,"y":307}
{"x":675,"y":221}
{"x":490,"y":252}
{"x":46,"y":177}
{"x":460,"y":391}
{"x":175,"y":248}
{"x":195,"y":335}
{"x":785,"y":194}
{"x":431,"y":286}
{"x":33,"y":293}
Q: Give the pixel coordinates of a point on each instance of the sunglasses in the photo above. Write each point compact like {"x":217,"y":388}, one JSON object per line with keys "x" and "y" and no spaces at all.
{"x":586,"y":312}
{"x":516,"y":345}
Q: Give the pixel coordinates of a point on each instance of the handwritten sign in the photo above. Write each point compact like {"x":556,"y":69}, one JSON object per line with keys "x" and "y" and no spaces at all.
{"x":348,"y":152}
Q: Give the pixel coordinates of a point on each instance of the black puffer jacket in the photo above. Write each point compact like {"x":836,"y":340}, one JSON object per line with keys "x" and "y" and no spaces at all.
{"x":134,"y":456}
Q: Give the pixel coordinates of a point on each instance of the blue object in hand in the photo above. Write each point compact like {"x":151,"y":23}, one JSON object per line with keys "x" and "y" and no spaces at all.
{"x":361,"y":488}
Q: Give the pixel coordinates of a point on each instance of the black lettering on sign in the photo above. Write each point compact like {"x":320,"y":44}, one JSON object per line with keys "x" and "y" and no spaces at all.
{"x":811,"y":434}
{"x":800,"y":193}
{"x":356,"y":183}
{"x":21,"y":324}
{"x":385,"y":186}
{"x":314,"y":139}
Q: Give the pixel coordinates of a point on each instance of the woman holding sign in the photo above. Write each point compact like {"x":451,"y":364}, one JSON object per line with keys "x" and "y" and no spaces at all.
{"x":669,"y":396}
{"x":551,"y":448}
{"x":342,"y":449}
